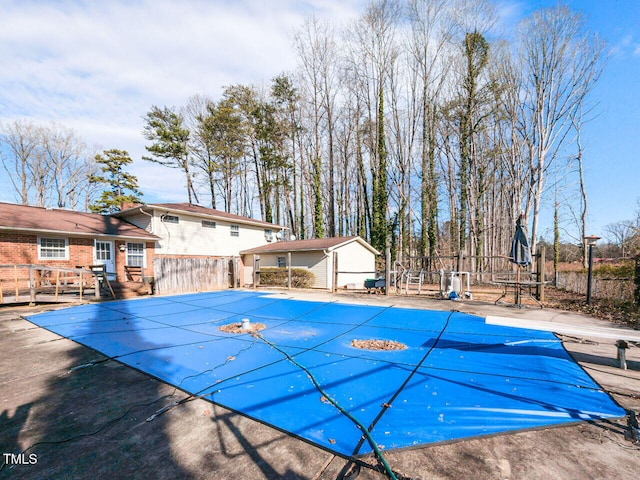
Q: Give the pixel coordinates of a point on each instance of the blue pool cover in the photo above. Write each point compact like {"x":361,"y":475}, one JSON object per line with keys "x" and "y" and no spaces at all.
{"x":457,"y":378}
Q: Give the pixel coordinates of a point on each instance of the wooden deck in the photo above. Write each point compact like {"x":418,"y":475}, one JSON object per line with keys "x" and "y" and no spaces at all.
{"x":27,"y":283}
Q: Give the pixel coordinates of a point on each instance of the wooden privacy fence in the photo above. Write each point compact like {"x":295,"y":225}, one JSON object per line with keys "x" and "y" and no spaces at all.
{"x":26,"y":283}
{"x":182,"y":275}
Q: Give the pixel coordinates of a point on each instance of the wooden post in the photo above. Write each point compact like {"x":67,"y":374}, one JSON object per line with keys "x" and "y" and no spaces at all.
{"x":541,"y":273}
{"x":387,"y":270}
{"x":57,"y":284}
{"x":32,"y":286}
{"x":15,"y":276}
{"x":236,"y":272}
{"x":256,"y":271}
{"x":96,"y":282}
{"x":334,"y":287}
{"x":289,"y":270}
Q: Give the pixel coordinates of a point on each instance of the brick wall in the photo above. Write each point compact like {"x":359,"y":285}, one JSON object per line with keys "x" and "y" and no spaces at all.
{"x":121,"y":258}
{"x":23,"y":248}
{"x":19,"y":248}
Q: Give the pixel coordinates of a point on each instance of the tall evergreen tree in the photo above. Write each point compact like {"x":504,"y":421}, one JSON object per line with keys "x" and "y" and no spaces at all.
{"x":166,"y":129}
{"x":121,"y":187}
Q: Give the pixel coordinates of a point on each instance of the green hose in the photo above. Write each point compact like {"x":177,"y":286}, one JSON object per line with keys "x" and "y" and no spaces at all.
{"x":364,"y":429}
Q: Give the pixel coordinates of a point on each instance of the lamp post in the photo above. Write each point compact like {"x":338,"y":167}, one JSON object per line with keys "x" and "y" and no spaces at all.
{"x":590,"y":241}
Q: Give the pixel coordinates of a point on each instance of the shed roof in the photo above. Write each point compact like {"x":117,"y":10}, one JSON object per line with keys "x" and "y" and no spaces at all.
{"x":49,"y":220}
{"x":309,"y":245}
{"x":202,"y":212}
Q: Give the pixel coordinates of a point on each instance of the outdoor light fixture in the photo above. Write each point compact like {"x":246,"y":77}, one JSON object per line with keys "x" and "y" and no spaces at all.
{"x":590,"y":241}
{"x":122,"y":247}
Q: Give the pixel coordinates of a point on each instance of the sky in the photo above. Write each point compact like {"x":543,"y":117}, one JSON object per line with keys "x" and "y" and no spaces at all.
{"x":98,"y":66}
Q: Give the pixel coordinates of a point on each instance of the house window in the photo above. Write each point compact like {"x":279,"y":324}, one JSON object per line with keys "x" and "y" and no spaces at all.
{"x":170,"y":219}
{"x":208,"y":224}
{"x":235,"y":231}
{"x":52,"y":249}
{"x":268,"y":234}
{"x":282,"y":262}
{"x":135,"y":254}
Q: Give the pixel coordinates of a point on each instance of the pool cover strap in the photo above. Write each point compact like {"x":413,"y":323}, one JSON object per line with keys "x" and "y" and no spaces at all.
{"x":389,"y":404}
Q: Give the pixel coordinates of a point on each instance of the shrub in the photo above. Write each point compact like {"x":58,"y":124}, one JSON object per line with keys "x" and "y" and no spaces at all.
{"x":622,"y":270}
{"x":277,"y":277}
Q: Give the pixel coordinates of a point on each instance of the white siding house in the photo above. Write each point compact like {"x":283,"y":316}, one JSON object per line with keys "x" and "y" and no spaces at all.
{"x":186,"y":230}
{"x":356,"y":260}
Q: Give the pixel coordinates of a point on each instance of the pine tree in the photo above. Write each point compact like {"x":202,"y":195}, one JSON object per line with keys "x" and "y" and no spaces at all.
{"x":170,"y":148}
{"x":117,"y":182}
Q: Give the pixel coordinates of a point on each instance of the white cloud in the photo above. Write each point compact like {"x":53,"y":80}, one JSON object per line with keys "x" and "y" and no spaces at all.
{"x":98,"y":67}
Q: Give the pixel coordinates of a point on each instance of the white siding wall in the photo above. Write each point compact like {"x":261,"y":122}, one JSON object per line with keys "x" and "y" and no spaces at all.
{"x":189,"y":237}
{"x":140,"y":220}
{"x":354,"y":257}
{"x":316,"y":262}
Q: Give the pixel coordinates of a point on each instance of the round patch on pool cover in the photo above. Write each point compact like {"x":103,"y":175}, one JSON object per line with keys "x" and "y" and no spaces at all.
{"x":237,"y":327}
{"x":378,"y":345}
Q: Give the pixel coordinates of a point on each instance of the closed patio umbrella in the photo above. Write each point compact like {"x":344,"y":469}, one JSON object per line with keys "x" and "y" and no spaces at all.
{"x":520,"y":252}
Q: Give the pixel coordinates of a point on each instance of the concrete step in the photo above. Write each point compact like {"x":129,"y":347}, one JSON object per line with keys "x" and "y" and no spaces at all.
{"x":130,"y":289}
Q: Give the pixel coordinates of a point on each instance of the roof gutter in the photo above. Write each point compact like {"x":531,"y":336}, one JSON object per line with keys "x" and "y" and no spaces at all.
{"x":77,"y":234}
{"x":150,"y":216}
{"x":221,"y":218}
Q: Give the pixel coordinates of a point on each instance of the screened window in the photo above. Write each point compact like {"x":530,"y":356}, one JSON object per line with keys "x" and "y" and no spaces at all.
{"x":235,"y":231}
{"x":170,"y":219}
{"x":52,"y":249}
{"x":208,"y":224}
{"x":135,"y":254}
{"x":282,"y":262}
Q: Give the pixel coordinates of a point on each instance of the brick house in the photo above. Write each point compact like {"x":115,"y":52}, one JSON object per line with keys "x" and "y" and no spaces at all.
{"x":64,"y":238}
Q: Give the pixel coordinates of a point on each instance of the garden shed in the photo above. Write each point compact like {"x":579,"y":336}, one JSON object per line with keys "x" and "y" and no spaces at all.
{"x":344,"y":261}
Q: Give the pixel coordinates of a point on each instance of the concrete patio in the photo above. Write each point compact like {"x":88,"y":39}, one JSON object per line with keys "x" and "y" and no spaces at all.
{"x":91,"y":422}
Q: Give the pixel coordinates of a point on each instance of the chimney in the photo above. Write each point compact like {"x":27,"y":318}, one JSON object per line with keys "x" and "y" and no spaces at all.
{"x":129,"y":205}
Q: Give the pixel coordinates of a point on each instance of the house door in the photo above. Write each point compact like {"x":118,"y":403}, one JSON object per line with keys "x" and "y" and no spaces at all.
{"x":103,"y":255}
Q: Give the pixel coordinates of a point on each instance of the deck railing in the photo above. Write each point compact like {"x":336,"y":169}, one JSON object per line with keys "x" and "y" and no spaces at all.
{"x":28,"y":283}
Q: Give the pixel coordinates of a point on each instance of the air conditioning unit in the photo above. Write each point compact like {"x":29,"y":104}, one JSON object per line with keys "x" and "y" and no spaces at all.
{"x":268,"y":237}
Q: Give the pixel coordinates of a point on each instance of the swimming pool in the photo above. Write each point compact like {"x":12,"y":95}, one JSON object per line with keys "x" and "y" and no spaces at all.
{"x":455,"y":378}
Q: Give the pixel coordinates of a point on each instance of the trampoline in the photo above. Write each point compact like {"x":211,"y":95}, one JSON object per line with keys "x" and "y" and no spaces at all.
{"x":455,"y":377}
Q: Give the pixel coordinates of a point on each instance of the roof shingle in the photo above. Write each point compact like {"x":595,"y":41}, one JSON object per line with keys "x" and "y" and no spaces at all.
{"x":200,"y":210}
{"x":22,"y":217}
{"x":302,"y":245}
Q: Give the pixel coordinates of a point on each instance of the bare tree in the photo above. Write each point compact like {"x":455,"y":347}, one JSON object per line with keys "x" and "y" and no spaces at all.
{"x":373,"y":51}
{"x":314,"y":48}
{"x":561,"y":65}
{"x":195,"y":115}
{"x":431,"y":36}
{"x":47,"y":165}
{"x":65,"y":154}
{"x":22,"y":140}
{"x":622,"y":234}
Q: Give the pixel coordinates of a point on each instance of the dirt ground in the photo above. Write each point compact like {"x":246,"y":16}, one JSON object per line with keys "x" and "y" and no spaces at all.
{"x":92,"y":422}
